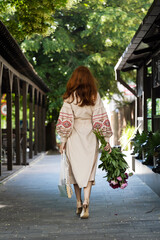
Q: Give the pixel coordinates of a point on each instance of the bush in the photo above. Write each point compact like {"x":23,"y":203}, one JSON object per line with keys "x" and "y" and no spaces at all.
{"x":146,"y":141}
{"x":138,"y":140}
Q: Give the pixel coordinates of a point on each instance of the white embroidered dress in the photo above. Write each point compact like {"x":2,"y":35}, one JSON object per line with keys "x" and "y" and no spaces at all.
{"x":75,"y":126}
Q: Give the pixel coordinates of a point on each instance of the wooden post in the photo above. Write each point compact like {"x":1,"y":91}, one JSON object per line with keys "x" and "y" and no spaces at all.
{"x":144,"y":99}
{"x":43,"y":124}
{"x":36,"y":124}
{"x":31,"y":122}
{"x":153,"y":97}
{"x":136,"y":112}
{"x":1,"y":73}
{"x":9,"y":123}
{"x":144,"y":110}
{"x":17,"y":132}
{"x":24,"y":129}
{"x":40,"y":123}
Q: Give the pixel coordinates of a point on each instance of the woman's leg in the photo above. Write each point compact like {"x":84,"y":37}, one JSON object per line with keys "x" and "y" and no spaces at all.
{"x":87,"y":192}
{"x":79,"y":201}
{"x":77,"y":192}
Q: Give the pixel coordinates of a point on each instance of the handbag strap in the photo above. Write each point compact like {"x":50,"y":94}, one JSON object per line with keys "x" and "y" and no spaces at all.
{"x":66,"y":167}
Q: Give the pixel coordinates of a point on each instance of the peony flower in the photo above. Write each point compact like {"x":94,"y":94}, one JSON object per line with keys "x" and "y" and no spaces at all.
{"x":114,"y":182}
{"x":124,"y":185}
{"x":119,"y":178}
{"x":114,"y":186}
{"x":126,"y":175}
{"x":106,"y":148}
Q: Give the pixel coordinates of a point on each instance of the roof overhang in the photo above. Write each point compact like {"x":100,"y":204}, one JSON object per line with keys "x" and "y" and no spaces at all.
{"x":144,"y":44}
{"x":11,"y":52}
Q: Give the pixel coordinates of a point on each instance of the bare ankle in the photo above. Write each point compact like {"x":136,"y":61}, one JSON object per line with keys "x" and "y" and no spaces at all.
{"x":86,"y":202}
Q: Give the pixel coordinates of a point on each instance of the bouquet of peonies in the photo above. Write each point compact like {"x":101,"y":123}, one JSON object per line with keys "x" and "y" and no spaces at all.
{"x":113,"y":163}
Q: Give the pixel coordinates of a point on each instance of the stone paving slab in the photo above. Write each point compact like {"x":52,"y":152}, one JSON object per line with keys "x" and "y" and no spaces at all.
{"x":6,"y":174}
{"x":31,"y":208}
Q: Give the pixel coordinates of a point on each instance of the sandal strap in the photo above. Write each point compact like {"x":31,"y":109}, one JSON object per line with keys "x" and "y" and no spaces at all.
{"x":85,"y":203}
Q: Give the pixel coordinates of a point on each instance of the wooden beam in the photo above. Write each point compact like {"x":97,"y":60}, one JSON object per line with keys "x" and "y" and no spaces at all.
{"x":129,"y":68}
{"x":17,"y":120}
{"x":31,"y":122}
{"x":9,"y":123}
{"x":19,"y":75}
{"x":135,"y":60}
{"x":143,"y":50}
{"x":24,"y":130}
{"x":1,"y":73}
{"x":153,"y":38}
{"x":118,"y":78}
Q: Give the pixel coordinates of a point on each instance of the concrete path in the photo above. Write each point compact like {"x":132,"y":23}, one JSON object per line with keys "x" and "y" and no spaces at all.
{"x":31,"y":208}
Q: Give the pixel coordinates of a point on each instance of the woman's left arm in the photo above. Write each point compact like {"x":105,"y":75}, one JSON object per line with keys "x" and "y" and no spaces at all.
{"x":101,"y":122}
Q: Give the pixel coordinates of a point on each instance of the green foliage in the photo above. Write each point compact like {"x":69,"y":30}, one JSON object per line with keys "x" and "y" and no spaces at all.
{"x":113,"y":163}
{"x":158,"y":106}
{"x":138,"y":140}
{"x":146,"y":141}
{"x":24,"y":17}
{"x":153,"y":142}
{"x":126,"y":135}
{"x":58,"y":39}
{"x":149,"y":107}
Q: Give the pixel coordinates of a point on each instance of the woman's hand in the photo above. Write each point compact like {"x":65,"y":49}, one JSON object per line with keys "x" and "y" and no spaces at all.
{"x":108,"y":147}
{"x":62,"y":147}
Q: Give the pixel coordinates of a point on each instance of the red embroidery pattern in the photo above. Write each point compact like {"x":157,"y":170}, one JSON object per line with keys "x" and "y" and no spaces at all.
{"x":102,"y":115}
{"x":97,"y":125}
{"x":107,"y":123}
{"x":101,"y":122}
{"x":58,"y":122}
{"x":64,"y":124}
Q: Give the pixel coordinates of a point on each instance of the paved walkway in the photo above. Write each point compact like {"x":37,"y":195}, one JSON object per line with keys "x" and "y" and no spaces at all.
{"x":31,"y":209}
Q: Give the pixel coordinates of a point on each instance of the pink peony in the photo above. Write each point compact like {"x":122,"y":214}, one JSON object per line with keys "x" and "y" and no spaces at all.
{"x":119,"y":178}
{"x":106,"y":148}
{"x":124,"y":185}
{"x":114,"y":182}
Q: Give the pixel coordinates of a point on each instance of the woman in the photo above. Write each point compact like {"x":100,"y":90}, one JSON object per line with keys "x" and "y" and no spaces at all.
{"x":81,"y":113}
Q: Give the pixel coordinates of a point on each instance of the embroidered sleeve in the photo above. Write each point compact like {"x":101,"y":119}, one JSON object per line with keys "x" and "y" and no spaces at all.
{"x":100,"y":120}
{"x":64,"y":124}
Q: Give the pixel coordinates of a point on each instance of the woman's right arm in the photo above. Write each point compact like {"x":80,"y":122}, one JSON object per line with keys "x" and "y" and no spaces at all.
{"x":65,"y":121}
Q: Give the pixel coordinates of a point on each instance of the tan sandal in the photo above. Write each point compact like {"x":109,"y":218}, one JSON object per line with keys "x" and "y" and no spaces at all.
{"x":85,"y":211}
{"x":79,"y":207}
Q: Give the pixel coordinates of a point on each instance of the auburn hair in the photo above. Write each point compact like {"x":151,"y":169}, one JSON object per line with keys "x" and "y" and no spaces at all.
{"x":82,"y":86}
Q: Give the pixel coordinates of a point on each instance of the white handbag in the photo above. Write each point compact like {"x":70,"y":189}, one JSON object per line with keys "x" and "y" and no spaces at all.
{"x":64,"y":186}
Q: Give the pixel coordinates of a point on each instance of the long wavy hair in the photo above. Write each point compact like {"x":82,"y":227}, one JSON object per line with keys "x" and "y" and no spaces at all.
{"x":82,"y":86}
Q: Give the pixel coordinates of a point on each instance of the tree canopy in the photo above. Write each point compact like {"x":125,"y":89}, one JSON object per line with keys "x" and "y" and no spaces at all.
{"x":25,"y":17}
{"x":93,"y":33}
